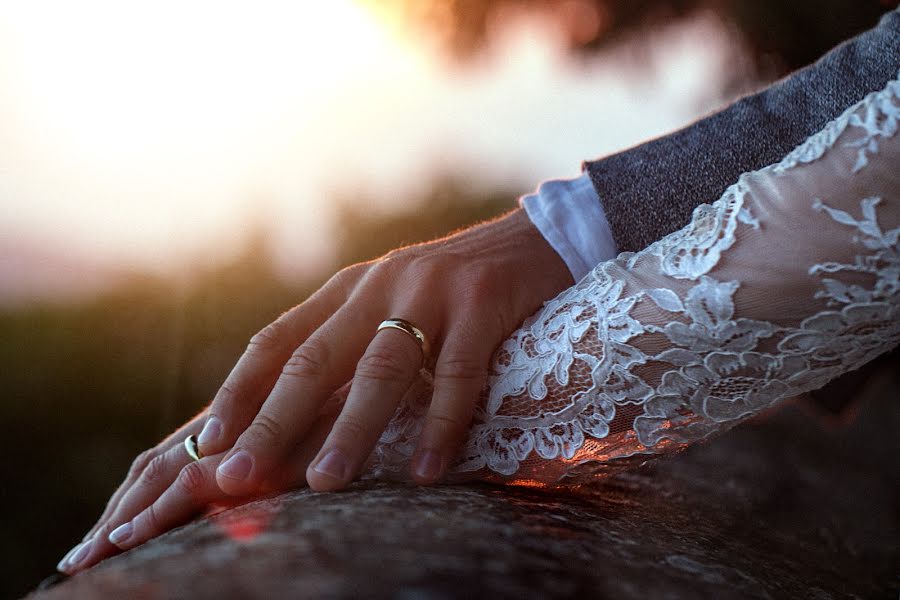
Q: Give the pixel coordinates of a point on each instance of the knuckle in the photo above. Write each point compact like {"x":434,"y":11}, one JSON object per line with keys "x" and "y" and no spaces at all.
{"x":270,"y":337}
{"x":479,"y":284}
{"x":441,"y":266}
{"x":151,"y":518}
{"x":265,"y":431}
{"x":192,"y":479}
{"x":385,"y":364}
{"x":459,"y":368}
{"x":423,"y":272}
{"x":393,"y":257}
{"x":155,"y":469}
{"x":307,"y":361}
{"x":389,"y":266}
{"x":103,"y":532}
{"x":228,"y":392}
{"x":452,"y":424}
{"x":347,"y":277}
{"x":350,"y":429}
{"x":140,"y":463}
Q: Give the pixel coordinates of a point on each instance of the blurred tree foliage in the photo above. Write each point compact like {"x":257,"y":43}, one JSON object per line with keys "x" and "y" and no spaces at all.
{"x":88,"y":386}
{"x":782,"y":35}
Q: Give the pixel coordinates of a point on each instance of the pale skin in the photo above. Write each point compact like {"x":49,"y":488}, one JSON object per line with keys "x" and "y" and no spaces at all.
{"x":270,"y":427}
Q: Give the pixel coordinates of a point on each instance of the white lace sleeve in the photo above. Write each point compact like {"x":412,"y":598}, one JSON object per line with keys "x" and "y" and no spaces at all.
{"x":790,"y":279}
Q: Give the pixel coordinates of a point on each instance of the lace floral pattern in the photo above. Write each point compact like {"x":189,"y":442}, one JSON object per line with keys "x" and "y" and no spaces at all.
{"x":612,"y":368}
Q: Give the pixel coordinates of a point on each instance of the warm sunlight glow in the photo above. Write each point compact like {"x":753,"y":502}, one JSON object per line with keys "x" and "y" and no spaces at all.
{"x":115,"y":80}
{"x":158,"y":135}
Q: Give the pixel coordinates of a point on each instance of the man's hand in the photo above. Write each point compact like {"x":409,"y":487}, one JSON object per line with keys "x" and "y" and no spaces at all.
{"x":466,"y":292}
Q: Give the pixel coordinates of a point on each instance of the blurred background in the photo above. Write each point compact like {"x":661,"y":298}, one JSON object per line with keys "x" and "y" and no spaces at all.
{"x":174,"y":174}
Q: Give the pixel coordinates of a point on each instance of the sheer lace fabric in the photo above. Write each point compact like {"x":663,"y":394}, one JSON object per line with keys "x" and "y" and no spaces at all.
{"x":790,"y":279}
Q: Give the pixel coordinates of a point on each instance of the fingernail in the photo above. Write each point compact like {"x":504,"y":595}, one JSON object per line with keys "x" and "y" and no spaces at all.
{"x":65,"y":559}
{"x":237,"y":467}
{"x":334,"y":464}
{"x":211,"y":431}
{"x":428,"y":466}
{"x":81,"y":553}
{"x":121,"y":533}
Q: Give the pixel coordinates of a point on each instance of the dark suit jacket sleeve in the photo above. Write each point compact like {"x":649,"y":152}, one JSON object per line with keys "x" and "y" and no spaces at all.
{"x":651,"y":190}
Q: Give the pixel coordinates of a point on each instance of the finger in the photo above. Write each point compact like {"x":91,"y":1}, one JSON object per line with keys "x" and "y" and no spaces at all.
{"x":382,"y":377}
{"x":150,"y":474}
{"x":314,"y":371}
{"x":459,"y":376}
{"x":158,"y":476}
{"x":245,"y":389}
{"x":138,"y":467}
{"x":293,"y":472}
{"x":100,"y":546}
{"x":195,"y":489}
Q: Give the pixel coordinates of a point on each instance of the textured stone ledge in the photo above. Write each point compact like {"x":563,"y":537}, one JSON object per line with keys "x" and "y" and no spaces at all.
{"x":780,"y":508}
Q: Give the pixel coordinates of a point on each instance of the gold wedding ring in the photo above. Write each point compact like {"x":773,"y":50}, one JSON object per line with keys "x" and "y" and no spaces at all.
{"x":193,"y":449}
{"x":410,"y":330}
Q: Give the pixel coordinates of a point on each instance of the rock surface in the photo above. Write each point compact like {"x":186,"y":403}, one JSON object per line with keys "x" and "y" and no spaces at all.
{"x":779,"y":508}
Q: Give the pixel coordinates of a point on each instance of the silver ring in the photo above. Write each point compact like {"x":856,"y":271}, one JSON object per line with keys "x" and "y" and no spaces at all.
{"x":192,"y":447}
{"x":410,"y":330}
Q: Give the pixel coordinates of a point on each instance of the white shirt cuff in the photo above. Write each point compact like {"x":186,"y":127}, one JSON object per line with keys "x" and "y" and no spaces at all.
{"x":569,"y":215}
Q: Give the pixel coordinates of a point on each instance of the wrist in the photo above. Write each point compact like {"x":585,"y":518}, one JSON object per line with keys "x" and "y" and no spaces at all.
{"x":570,"y":216}
{"x":544,"y":262}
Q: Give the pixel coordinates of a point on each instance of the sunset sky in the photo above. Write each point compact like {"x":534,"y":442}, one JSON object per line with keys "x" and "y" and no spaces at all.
{"x":149,"y":135}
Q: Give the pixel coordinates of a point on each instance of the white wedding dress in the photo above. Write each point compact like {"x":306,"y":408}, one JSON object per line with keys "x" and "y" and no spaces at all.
{"x":787,"y":281}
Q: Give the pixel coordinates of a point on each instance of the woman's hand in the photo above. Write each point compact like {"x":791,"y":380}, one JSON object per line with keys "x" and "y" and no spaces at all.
{"x":466,"y":292}
{"x":165,"y":488}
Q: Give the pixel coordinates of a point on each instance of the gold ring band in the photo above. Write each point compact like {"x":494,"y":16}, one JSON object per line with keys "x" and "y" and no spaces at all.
{"x":412,"y":331}
{"x":193,"y":449}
